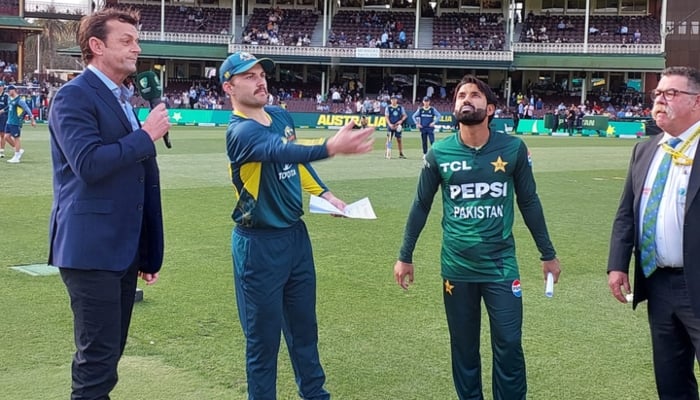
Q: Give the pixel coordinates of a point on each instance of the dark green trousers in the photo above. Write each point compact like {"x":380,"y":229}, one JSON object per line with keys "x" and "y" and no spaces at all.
{"x":505,"y":309}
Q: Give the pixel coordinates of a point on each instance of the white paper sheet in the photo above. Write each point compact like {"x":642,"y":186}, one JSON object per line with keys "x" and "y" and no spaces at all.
{"x":361,"y":209}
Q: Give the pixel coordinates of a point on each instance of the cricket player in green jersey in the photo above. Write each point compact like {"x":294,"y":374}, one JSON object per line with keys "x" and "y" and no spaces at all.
{"x":480,"y":174}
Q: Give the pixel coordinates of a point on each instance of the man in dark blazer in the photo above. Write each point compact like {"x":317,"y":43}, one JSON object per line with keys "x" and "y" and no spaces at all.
{"x":659,"y":223}
{"x":106,"y":221}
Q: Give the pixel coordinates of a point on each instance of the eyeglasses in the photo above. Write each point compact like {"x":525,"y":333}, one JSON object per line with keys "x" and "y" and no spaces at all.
{"x":670,"y":94}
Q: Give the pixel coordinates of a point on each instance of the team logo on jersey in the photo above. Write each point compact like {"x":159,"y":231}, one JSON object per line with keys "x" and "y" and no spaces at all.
{"x":289,"y":133}
{"x":516,"y":289}
{"x":288,"y":171}
{"x":499,"y":165}
{"x":455,"y":166}
{"x":478,"y":190}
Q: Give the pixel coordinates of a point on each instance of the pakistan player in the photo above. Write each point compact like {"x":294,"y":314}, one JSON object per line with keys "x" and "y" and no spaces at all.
{"x":480,"y":174}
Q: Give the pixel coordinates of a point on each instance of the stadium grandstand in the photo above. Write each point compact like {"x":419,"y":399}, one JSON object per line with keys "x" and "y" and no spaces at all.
{"x":344,"y":56}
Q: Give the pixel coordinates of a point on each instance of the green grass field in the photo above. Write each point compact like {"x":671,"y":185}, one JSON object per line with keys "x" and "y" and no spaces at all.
{"x":377,"y":342}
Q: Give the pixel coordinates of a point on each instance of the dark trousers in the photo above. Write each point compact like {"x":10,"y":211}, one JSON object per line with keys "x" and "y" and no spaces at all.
{"x":102,"y":302}
{"x":505,"y":310}
{"x":427,"y":135}
{"x":675,"y":335}
{"x":276,"y":293}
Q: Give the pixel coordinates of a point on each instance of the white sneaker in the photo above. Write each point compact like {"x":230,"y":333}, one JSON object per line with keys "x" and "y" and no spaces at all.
{"x":13,"y":160}
{"x":21,"y":152}
{"x":2,"y":153}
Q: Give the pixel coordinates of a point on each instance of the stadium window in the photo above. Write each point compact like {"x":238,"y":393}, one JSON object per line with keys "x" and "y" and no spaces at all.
{"x":492,"y":5}
{"x":694,"y":27}
{"x":553,"y":6}
{"x":263,"y":2}
{"x":576,"y":6}
{"x":682,"y":28}
{"x":634,"y":6}
{"x":670,"y":25}
{"x":606,"y":6}
{"x":449,"y":4}
{"x":470,"y":4}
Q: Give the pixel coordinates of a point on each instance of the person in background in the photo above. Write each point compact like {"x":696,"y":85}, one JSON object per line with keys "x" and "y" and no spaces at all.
{"x":4,"y":110}
{"x":480,"y":173}
{"x":273,"y":263}
{"x":17,"y":109}
{"x":425,"y":119}
{"x":658,"y":226}
{"x":395,"y":115}
{"x":106,"y":223}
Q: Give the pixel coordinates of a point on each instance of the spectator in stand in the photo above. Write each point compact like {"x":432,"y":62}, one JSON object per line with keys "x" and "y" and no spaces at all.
{"x":539,"y":104}
{"x":367,"y":106}
{"x":192,"y":95}
{"x":623,"y":29}
{"x":561,"y":25}
{"x":384,"y":40}
{"x":376,"y":107}
{"x":593,"y":31}
{"x":402,"y":40}
{"x":637,"y":36}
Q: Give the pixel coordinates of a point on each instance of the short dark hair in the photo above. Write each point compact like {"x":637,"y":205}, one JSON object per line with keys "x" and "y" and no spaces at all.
{"x":483,"y":88}
{"x":95,"y":25}
{"x":691,"y":73}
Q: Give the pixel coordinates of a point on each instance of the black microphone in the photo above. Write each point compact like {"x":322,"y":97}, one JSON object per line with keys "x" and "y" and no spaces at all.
{"x":151,"y":89}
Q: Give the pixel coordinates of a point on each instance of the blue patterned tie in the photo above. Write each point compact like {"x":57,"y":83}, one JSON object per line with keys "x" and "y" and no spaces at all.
{"x":648,"y":243}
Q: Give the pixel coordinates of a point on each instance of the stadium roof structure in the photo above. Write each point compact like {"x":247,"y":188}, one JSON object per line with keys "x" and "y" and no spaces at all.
{"x":18,"y":24}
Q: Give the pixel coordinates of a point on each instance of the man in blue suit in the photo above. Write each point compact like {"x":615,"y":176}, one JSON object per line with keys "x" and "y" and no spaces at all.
{"x":106,"y":222}
{"x":658,"y":227}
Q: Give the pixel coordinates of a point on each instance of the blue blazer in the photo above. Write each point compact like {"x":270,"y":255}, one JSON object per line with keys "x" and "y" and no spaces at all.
{"x":106,"y":211}
{"x":624,"y":242}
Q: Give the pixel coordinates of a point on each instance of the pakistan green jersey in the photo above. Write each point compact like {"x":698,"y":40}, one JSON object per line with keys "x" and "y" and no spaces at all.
{"x":479,"y":188}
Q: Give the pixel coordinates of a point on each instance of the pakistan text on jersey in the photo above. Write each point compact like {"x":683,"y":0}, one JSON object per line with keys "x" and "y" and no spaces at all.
{"x":478,"y":212}
{"x":477,"y":190}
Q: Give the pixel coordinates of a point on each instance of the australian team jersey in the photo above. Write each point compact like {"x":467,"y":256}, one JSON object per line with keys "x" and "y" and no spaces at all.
{"x":394,"y":114}
{"x":478,"y":188}
{"x":16,"y":110}
{"x":269,"y":169}
{"x":426,"y":116}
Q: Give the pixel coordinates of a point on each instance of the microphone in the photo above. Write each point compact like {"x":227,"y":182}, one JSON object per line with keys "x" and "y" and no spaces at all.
{"x":151,"y":89}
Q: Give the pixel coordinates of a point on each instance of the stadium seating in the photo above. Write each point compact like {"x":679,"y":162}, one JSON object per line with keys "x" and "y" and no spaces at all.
{"x":357,"y":25}
{"x":468,"y":31}
{"x":607,"y":25}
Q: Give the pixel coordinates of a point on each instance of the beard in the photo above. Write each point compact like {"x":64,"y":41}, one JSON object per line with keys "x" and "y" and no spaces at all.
{"x":474,"y":117}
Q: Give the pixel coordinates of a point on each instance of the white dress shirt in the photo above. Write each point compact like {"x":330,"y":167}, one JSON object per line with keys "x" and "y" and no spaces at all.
{"x":669,"y":224}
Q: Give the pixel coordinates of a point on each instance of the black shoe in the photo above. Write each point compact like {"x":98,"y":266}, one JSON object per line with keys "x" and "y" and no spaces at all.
{"x":401,"y":155}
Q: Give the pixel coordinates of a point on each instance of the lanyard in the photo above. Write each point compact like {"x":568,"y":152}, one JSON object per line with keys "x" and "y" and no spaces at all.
{"x":678,"y":155}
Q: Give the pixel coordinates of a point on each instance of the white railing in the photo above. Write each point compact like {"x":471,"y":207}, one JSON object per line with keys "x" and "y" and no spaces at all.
{"x":436,"y":54}
{"x":351,"y":52}
{"x":181,"y":37}
{"x":593,"y":48}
